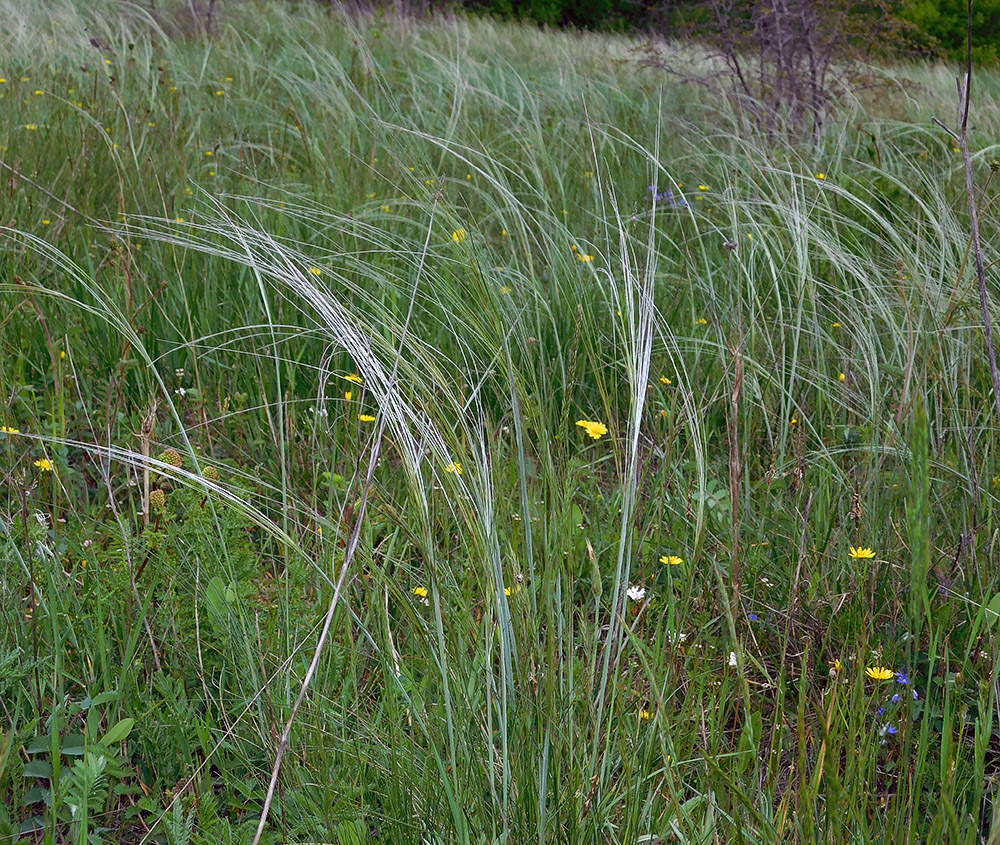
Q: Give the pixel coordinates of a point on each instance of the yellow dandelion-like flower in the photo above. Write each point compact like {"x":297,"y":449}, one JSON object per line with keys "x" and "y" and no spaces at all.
{"x":645,"y":715}
{"x":836,"y":666}
{"x":366,"y":418}
{"x":316,"y":271}
{"x":842,"y":376}
{"x":31,"y":127}
{"x":5,"y":430}
{"x":595,"y":429}
{"x":672,"y":560}
{"x":44,"y":464}
{"x":509,"y":591}
{"x":419,"y":592}
{"x":454,"y":467}
{"x":459,"y":235}
{"x":355,"y":378}
{"x":386,"y":208}
{"x":703,"y":187}
{"x":348,"y":394}
{"x":879,"y":673}
{"x":861,"y":553}
{"x":821,"y":176}
{"x":702,"y":321}
{"x":584,"y":257}
{"x":665,"y":380}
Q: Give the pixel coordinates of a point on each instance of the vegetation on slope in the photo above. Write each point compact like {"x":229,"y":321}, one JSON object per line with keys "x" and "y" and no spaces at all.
{"x":237,"y":263}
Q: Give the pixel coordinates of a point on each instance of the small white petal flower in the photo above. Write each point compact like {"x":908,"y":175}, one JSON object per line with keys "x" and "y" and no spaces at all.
{"x":636,"y":593}
{"x":732,"y":658}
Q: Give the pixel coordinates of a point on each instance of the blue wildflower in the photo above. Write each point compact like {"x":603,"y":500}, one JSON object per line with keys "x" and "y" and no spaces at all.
{"x":895,"y":698}
{"x":902,"y":677}
{"x":667,"y":197}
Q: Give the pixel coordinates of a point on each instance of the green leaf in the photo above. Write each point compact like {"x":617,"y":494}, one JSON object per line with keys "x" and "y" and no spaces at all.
{"x":993,"y":610}
{"x":73,"y":745}
{"x":39,"y":745}
{"x":38,"y":769}
{"x":118,"y":732}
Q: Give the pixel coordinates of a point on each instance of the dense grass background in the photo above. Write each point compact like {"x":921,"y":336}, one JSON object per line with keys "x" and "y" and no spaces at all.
{"x":206,"y":233}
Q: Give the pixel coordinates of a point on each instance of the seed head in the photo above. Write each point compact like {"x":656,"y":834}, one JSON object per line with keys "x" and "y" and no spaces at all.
{"x":157,"y":500}
{"x":211,"y":473}
{"x":172,"y":457}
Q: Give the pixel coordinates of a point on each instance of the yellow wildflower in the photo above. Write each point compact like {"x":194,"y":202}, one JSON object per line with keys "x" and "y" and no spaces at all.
{"x":879,"y":673}
{"x":5,"y":430}
{"x":366,"y":418}
{"x":672,"y":560}
{"x":355,"y":378}
{"x":44,"y":464}
{"x":419,"y":592}
{"x":861,"y":553}
{"x":316,"y":271}
{"x":454,"y":467}
{"x":595,"y":429}
{"x":458,"y":235}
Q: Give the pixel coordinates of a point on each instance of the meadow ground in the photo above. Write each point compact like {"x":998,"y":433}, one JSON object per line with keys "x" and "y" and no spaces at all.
{"x":342,"y":292}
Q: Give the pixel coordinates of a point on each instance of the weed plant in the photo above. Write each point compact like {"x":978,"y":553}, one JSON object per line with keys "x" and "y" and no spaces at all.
{"x":682,"y":524}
